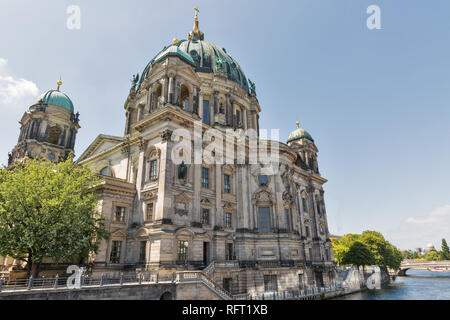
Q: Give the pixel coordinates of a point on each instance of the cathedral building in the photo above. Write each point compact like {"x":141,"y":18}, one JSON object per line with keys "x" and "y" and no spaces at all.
{"x":248,"y":230}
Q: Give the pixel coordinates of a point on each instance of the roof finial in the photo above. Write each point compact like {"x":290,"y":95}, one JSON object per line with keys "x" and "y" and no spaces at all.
{"x":298,"y":124}
{"x":196,"y":33}
{"x":59,"y":83}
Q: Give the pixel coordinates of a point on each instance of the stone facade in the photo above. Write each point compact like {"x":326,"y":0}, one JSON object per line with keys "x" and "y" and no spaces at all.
{"x":249,"y":231}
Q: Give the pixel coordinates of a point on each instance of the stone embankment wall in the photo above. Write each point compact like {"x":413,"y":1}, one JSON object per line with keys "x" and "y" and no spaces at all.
{"x":171,"y":291}
{"x":128,"y":292}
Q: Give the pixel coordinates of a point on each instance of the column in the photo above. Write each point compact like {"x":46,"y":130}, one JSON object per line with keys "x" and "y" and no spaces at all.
{"x":227,"y":109}
{"x":164,"y":90}
{"x":200,"y":106}
{"x":164,"y":204}
{"x":233,"y":118}
{"x":242,"y":184}
{"x":244,"y":119}
{"x":147,"y":254}
{"x":170,"y":92}
{"x":218,"y":216}
{"x":197,"y":186}
{"x":150,"y":99}
{"x":140,"y":174}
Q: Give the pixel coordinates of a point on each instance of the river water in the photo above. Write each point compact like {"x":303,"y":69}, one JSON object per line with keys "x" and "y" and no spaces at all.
{"x":417,"y":285}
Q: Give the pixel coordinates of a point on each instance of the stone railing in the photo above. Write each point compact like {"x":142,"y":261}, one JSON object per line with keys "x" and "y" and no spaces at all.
{"x":195,"y":276}
{"x":103,"y":280}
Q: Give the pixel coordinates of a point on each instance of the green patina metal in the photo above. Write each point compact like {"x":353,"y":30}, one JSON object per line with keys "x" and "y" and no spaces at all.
{"x":205,"y":57}
{"x":56,"y":98}
{"x":298,"y":134}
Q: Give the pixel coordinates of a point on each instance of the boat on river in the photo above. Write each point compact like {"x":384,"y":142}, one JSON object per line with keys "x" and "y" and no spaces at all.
{"x":438,"y":269}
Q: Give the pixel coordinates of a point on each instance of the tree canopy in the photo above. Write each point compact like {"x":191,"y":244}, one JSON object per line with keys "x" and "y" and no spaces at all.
{"x":48,"y":210}
{"x":354,"y":249}
{"x":445,"y":252}
{"x":432,"y":255}
{"x":358,"y":254}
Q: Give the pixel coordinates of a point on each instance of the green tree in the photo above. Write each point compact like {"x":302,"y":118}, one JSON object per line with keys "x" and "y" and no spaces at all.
{"x":445,"y":251}
{"x":392,"y":256}
{"x":342,"y":245}
{"x":432,"y":255}
{"x":377,"y":245}
{"x":385,"y":254}
{"x":48,"y":210}
{"x":358,"y":255}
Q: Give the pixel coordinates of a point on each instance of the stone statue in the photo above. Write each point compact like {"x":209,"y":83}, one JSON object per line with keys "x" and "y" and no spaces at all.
{"x":182,"y":171}
{"x":252,"y":87}
{"x":9,"y":158}
{"x":134,"y":81}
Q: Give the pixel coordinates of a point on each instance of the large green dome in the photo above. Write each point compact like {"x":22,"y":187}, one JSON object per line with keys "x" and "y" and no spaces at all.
{"x":56,"y":98}
{"x":204,"y":56}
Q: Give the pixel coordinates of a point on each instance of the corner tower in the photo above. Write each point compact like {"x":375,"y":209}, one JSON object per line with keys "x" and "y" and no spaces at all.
{"x":48,"y":129}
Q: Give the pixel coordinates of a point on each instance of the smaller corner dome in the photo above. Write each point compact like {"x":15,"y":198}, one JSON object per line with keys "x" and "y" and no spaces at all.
{"x":56,"y":98}
{"x":173,"y":50}
{"x":298,"y":134}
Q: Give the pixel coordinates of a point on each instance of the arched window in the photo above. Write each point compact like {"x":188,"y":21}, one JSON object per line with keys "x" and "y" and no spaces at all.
{"x":152,"y":167}
{"x":158,"y":94}
{"x":304,"y":203}
{"x":206,"y":112}
{"x":264,"y":225}
{"x":184,"y":97}
{"x":287,"y":218}
{"x":104,"y":171}
{"x":53,"y":135}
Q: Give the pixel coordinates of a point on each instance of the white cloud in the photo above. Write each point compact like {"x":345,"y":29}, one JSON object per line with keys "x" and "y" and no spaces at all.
{"x":15,"y":92}
{"x":3,"y":63}
{"x":419,"y":231}
{"x":438,"y":215}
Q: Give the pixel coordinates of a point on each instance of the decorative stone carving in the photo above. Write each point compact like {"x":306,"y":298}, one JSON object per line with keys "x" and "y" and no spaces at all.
{"x":126,"y":149}
{"x":142,"y":144}
{"x":147,"y":195}
{"x":263,"y":195}
{"x":182,"y":201}
{"x":166,"y":135}
{"x":287,"y":197}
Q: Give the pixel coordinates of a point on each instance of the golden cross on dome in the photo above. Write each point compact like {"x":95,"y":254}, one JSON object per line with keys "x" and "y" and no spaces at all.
{"x":298,"y":124}
{"x":59,"y":83}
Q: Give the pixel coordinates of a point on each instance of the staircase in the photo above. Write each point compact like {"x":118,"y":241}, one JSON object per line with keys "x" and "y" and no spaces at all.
{"x":197,"y":276}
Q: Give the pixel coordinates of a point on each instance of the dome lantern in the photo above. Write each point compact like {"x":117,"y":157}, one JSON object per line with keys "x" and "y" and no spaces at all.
{"x":196,"y":34}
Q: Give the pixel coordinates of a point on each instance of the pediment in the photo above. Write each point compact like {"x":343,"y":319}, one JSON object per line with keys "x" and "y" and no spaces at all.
{"x":118,"y":234}
{"x":100,"y":144}
{"x":141,"y":232}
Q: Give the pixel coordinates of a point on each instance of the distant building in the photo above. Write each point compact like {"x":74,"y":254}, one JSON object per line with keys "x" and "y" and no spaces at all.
{"x":430,"y":247}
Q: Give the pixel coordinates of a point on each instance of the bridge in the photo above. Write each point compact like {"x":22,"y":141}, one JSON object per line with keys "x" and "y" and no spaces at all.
{"x":422,"y":265}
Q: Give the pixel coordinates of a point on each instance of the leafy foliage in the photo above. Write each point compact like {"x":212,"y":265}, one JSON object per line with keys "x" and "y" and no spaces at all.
{"x":48,"y":210}
{"x":445,"y":251}
{"x":432,"y":255}
{"x":359,"y":255}
{"x":382,"y":252}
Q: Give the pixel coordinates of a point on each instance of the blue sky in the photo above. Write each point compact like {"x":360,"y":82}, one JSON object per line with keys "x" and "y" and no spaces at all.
{"x":375,"y":101}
